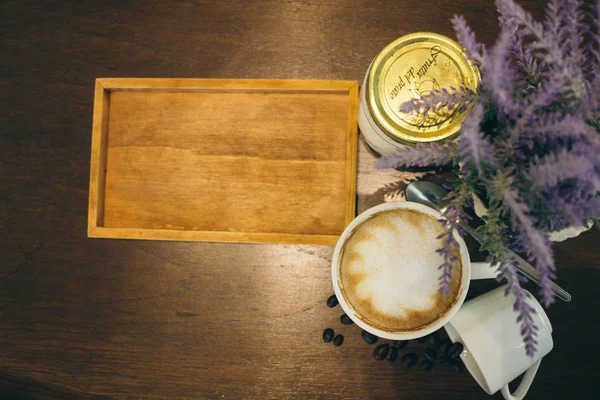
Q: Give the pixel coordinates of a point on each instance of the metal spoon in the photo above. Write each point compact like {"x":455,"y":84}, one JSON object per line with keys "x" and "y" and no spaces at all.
{"x":432,"y":195}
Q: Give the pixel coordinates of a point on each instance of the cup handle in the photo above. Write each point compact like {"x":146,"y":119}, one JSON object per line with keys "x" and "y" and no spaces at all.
{"x":482,"y":270}
{"x":525,"y":384}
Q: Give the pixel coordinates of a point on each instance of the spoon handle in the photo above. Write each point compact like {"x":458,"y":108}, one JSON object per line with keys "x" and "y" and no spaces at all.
{"x":524,"y":267}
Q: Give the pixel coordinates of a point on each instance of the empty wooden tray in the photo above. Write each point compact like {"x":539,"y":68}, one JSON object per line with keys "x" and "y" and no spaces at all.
{"x":223,"y":160}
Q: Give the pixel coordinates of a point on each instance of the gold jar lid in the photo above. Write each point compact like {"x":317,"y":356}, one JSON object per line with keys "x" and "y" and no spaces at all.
{"x":408,"y":68}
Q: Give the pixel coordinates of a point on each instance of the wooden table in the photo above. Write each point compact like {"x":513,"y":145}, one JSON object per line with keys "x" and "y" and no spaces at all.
{"x":92,"y":318}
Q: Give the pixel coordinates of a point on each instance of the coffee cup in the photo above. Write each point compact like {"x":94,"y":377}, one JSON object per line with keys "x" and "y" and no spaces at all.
{"x":493,"y":351}
{"x":427,"y":244}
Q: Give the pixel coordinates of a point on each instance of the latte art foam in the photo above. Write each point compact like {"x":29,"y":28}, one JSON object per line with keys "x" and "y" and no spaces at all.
{"x":389,"y":271}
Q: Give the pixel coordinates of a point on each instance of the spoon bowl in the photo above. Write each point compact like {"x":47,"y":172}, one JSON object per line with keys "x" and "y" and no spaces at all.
{"x":428,"y":194}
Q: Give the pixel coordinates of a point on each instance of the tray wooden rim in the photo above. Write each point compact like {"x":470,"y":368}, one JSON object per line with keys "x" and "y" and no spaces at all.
{"x":104,"y":86}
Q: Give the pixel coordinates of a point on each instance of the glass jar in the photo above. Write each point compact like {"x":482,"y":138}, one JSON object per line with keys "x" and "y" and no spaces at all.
{"x":408,"y":68}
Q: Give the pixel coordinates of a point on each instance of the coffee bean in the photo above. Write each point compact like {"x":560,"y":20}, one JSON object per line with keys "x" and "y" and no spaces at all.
{"x":409,"y":359}
{"x":458,"y":366}
{"x":430,"y":354}
{"x":393,"y":354}
{"x":445,"y":360}
{"x":381,"y":351}
{"x":332,"y":301}
{"x":338,"y":340}
{"x":445,"y":346}
{"x":328,"y":335}
{"x":422,"y":339}
{"x":434,"y":338}
{"x":346,"y":320}
{"x":426,"y":365}
{"x":400,"y":344}
{"x":455,"y":350}
{"x":369,"y":337}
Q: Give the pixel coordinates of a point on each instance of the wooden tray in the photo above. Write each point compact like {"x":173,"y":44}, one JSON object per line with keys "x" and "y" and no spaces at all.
{"x":223,"y":160}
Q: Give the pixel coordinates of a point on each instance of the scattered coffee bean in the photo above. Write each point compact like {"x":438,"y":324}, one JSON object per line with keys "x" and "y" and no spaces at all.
{"x":422,"y":339}
{"x":455,"y":350}
{"x":346,"y":320}
{"x":381,"y":351}
{"x":458,"y":366}
{"x":409,"y":359}
{"x":445,"y":360}
{"x":393,"y":354}
{"x":332,"y":301}
{"x":400,"y":344}
{"x":434,"y":338}
{"x":338,"y":340}
{"x":328,"y":335}
{"x":426,"y":365}
{"x":369,"y":337}
{"x":445,"y":345}
{"x":430,"y":354}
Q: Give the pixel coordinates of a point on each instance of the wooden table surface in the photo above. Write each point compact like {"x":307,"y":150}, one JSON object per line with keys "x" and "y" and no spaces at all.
{"x":90,"y":318}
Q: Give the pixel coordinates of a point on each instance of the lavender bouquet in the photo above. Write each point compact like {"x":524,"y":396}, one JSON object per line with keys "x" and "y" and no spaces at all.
{"x":530,"y":147}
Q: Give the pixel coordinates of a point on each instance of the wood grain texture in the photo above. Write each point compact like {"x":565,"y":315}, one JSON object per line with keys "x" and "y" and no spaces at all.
{"x":88,"y":318}
{"x":233,"y":160}
{"x":98,"y":156}
{"x":223,"y":85}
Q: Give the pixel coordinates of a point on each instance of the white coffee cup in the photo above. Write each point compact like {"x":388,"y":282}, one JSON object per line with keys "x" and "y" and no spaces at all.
{"x":494,"y":351}
{"x":469,"y":271}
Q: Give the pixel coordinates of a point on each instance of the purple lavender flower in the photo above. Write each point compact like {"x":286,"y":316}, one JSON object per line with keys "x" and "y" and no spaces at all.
{"x":591,"y":101}
{"x":422,"y":155}
{"x":507,"y":270}
{"x":450,"y":246}
{"x":558,"y":167}
{"x":473,"y":146}
{"x":573,"y":204}
{"x":529,"y":147}
{"x":499,"y":77}
{"x":526,"y":64}
{"x":451,"y":98}
{"x":495,"y":233}
{"x":553,"y":23}
{"x":510,"y":11}
{"x":536,"y":243}
{"x":594,"y":46}
{"x":556,"y":61}
{"x":554,"y":131}
{"x":546,"y":93}
{"x":574,"y":31}
{"x":466,"y":37}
